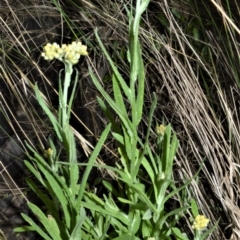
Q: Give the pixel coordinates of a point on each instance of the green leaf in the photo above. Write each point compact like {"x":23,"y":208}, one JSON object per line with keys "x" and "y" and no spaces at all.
{"x":110,"y":204}
{"x":140,"y":156}
{"x":91,"y":161}
{"x":53,"y":227}
{"x":149,"y":124}
{"x":151,"y":174}
{"x":49,"y":223}
{"x":169,"y":149}
{"x":141,"y":194}
{"x":123,"y":84}
{"x":42,"y":164}
{"x":118,"y":95}
{"x":118,"y":226}
{"x":111,"y":119}
{"x":110,"y":212}
{"x":24,"y":229}
{"x":166,"y":149}
{"x":194,"y":208}
{"x":147,"y":215}
{"x":70,"y":145}
{"x":126,"y":236}
{"x":127,"y":147}
{"x":54,"y":156}
{"x":147,"y":228}
{"x":178,"y":14}
{"x":93,"y":198}
{"x":51,"y":117}
{"x":196,"y":33}
{"x":106,"y":226}
{"x":174,"y":212}
{"x":113,"y":190}
{"x":60,"y":97}
{"x":34,"y":227}
{"x":163,"y":20}
{"x":72,"y":94}
{"x":118,"y":137}
{"x":177,"y":233}
{"x":125,"y":201}
{"x":51,"y":206}
{"x":135,"y":224}
{"x":34,"y":172}
{"x":76,"y":233}
{"x":172,"y":154}
{"x":171,"y":194}
{"x":59,"y":192}
{"x":154,"y":160}
{"x":141,"y":84}
{"x":114,"y":106}
{"x":124,"y":163}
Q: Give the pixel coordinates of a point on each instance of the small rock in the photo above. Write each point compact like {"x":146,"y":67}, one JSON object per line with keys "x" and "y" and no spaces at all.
{"x":3,"y":204}
{"x":16,"y":220}
{"x":17,"y":201}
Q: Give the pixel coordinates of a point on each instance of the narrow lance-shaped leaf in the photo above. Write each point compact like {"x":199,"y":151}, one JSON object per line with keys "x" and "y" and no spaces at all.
{"x":52,"y":118}
{"x":141,"y":155}
{"x":59,"y":193}
{"x":140,"y":87}
{"x":173,"y":150}
{"x":51,"y":226}
{"x":91,"y":161}
{"x":76,"y":233}
{"x":123,"y":84}
{"x":166,"y":147}
{"x":114,"y":106}
{"x":118,"y":95}
{"x":49,"y":203}
{"x":34,"y":227}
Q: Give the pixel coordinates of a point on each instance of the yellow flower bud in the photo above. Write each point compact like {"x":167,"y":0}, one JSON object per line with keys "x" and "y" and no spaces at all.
{"x":200,"y":222}
{"x":83,"y":50}
{"x":48,"y":152}
{"x":160,"y":129}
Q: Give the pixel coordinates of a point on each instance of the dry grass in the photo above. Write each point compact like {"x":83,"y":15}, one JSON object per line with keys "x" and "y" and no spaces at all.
{"x":205,"y":118}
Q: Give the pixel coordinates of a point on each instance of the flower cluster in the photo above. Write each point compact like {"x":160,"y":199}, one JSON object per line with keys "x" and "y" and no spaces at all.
{"x":160,"y":130}
{"x":69,"y":53}
{"x":200,"y":222}
{"x":48,"y":152}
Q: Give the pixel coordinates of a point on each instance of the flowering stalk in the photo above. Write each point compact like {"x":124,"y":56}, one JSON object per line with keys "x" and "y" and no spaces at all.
{"x":200,"y":223}
{"x":69,"y":54}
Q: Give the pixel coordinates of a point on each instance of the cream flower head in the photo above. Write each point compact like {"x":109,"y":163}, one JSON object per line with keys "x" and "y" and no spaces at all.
{"x":200,"y":222}
{"x":160,"y":130}
{"x":69,"y":53}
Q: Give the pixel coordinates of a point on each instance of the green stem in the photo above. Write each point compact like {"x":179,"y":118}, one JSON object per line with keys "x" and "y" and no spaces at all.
{"x":67,"y":80}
